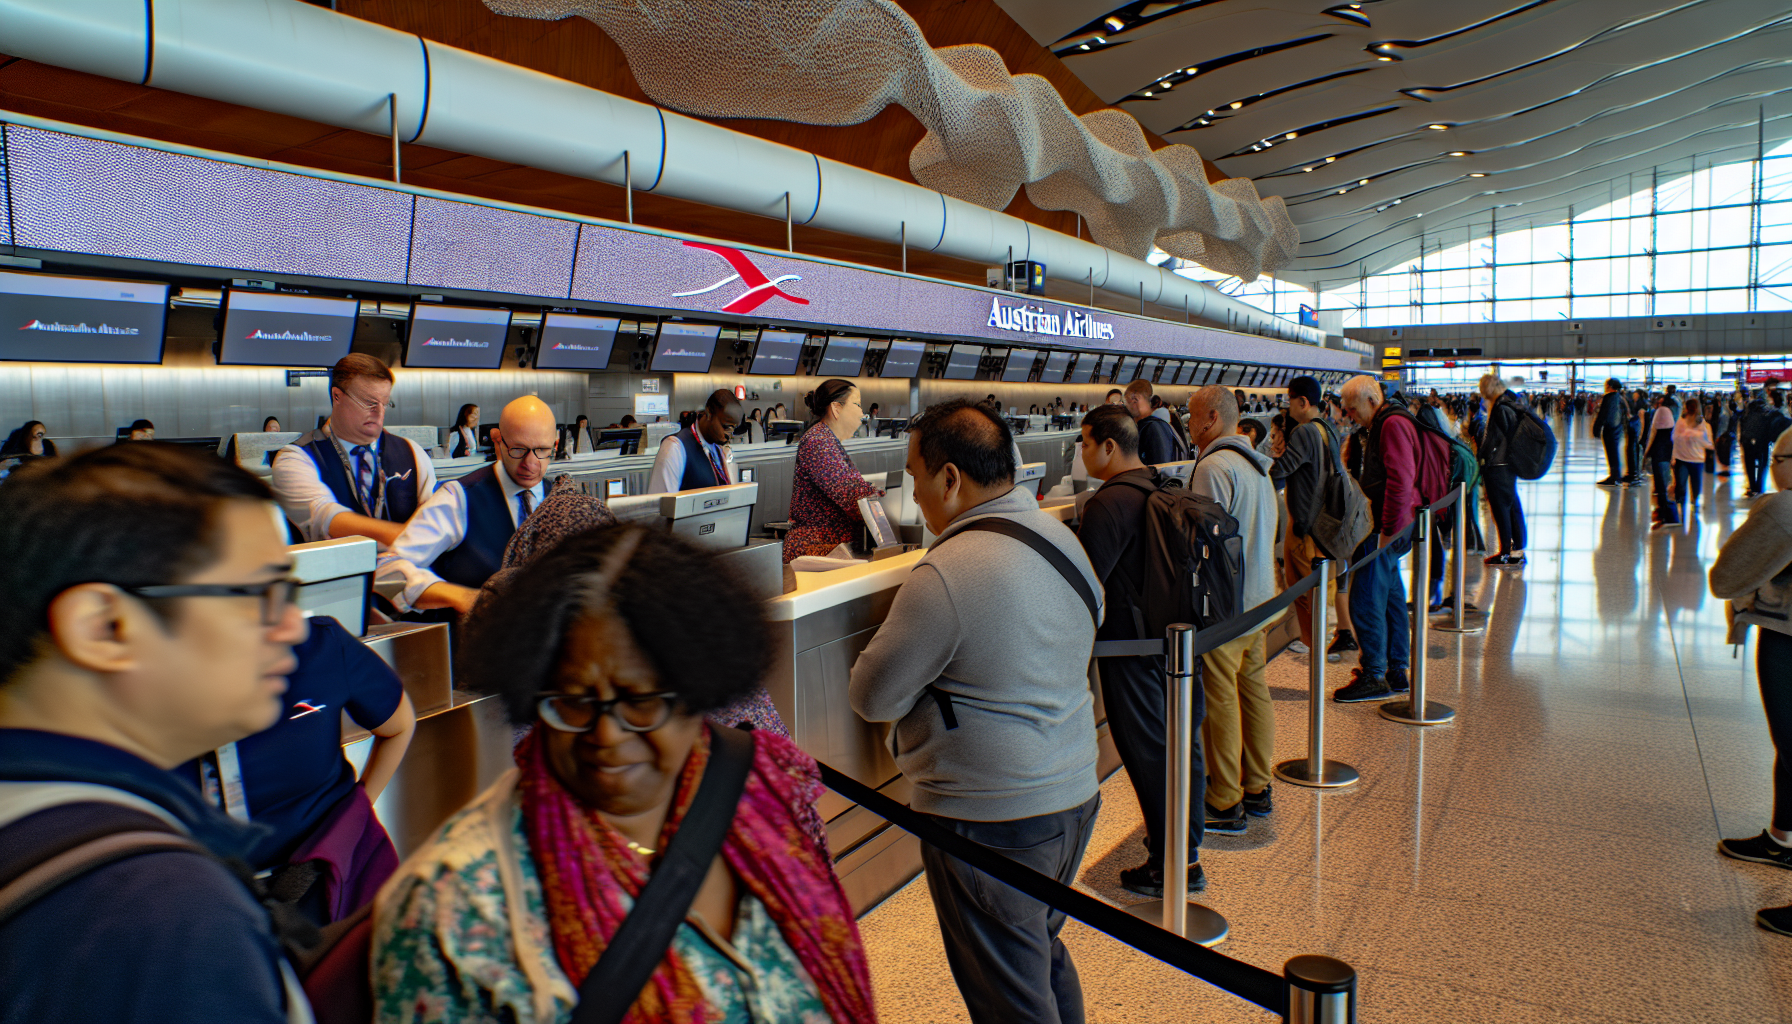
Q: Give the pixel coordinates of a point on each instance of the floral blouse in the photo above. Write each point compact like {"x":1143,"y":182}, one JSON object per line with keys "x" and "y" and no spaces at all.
{"x":824,"y":495}
{"x":461,"y":934}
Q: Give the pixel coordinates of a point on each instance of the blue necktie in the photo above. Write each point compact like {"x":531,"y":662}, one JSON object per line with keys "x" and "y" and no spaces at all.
{"x":363,"y":471}
{"x":526,"y":503}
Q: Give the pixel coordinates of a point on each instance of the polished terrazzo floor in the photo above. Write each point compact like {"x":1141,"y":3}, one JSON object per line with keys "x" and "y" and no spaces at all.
{"x":1549,"y":856}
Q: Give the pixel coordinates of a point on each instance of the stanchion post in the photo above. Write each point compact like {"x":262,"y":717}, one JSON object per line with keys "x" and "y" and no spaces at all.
{"x":1314,"y":770}
{"x":1459,"y":571}
{"x":1174,"y":912}
{"x":1321,"y":990}
{"x":1417,"y":710}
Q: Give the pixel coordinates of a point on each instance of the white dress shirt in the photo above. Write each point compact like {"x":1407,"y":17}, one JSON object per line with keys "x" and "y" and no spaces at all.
{"x":472,"y":443}
{"x":668,"y":465}
{"x":310,"y":504}
{"x":438,"y":527}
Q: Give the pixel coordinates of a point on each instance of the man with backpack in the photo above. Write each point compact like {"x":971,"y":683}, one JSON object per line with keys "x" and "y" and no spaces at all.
{"x":1762,"y":425}
{"x":1403,"y":469}
{"x":1240,"y":730}
{"x":1608,"y":426}
{"x":1117,"y":536}
{"x":1158,"y":440}
{"x":149,"y":620}
{"x":1307,"y":459}
{"x":1503,"y":415}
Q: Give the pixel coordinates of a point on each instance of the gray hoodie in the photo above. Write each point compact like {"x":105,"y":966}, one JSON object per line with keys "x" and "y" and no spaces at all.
{"x":988,"y":622}
{"x":1751,"y":570}
{"x":1236,"y":475}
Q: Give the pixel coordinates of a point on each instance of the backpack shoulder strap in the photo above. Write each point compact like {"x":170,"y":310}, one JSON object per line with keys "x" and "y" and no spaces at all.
{"x":1047,"y":550}
{"x":638,"y":946}
{"x":118,"y":832}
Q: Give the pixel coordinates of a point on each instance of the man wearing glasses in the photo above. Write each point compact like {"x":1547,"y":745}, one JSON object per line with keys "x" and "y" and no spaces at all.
{"x":456,"y":540}
{"x":147,"y":621}
{"x":349,"y":477}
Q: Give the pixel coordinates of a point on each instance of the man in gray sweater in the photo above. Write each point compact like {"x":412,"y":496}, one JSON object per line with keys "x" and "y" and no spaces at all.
{"x":982,"y":664}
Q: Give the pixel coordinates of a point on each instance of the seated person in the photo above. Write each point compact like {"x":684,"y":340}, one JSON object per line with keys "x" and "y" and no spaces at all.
{"x":508,"y":908}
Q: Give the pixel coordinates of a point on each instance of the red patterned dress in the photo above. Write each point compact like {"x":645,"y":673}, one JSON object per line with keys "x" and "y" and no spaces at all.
{"x":824,"y":495}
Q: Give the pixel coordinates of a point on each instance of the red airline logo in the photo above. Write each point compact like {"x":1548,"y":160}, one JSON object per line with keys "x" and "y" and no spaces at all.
{"x":759,"y":287}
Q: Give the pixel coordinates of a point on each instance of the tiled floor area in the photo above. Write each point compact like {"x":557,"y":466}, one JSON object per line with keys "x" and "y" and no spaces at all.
{"x":1549,"y":856}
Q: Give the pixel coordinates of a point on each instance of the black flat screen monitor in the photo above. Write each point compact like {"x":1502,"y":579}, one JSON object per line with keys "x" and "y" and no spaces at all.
{"x":1149,"y":369}
{"x":904,"y":359}
{"x":778,"y":353}
{"x":1186,"y":375}
{"x":276,"y":329}
{"x":1056,"y":363}
{"x":844,"y":357}
{"x":1020,"y":365}
{"x":1127,"y":371}
{"x":572,"y":341}
{"x":685,"y":348}
{"x":962,"y":364}
{"x":53,"y":319}
{"x":1172,"y":368}
{"x":1084,"y":370}
{"x":456,"y":337}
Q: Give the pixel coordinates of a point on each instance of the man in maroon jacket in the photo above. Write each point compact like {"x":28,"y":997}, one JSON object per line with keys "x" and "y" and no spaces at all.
{"x":1402,"y":470}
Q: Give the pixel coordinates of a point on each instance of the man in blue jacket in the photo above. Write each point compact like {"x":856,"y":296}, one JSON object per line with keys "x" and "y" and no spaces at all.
{"x":147,"y":621}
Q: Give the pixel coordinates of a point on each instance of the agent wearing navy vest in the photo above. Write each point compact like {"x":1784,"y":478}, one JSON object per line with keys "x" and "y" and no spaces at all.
{"x":697,"y":456}
{"x":350,"y":478}
{"x":456,"y":540}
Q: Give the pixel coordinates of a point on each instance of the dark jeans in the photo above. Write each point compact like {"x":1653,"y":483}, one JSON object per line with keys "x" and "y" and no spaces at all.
{"x":1508,"y":514}
{"x":1688,"y":473}
{"x":1754,"y":463}
{"x":1726,"y":449}
{"x":1132,"y":691}
{"x":1665,"y":509}
{"x":1003,"y":947}
{"x":1378,"y":609}
{"x":1613,"y":469}
{"x":1773,"y":669}
{"x":1633,"y":456}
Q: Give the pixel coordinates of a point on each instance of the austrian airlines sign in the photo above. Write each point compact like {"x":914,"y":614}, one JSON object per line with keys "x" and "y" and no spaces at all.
{"x":1074,"y":323}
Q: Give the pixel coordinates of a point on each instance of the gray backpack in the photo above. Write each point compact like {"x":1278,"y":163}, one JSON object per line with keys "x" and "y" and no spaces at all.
{"x":1343,"y":519}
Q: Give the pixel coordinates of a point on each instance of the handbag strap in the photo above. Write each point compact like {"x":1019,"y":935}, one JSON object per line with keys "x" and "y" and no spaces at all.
{"x":640,"y":944}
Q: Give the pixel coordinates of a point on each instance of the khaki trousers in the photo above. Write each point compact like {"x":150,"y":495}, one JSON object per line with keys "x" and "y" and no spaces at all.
{"x":1298,"y":554}
{"x":1240,"y":731}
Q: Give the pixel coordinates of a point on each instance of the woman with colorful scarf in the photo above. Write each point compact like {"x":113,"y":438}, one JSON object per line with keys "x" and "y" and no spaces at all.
{"x":607,"y":645}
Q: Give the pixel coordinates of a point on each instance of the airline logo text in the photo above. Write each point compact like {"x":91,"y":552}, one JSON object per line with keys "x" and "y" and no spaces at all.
{"x":59,"y":328}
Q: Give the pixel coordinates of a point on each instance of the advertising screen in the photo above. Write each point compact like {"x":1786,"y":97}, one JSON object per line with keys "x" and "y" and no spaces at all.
{"x":1055,"y":365}
{"x":844,"y":357}
{"x":456,"y":337}
{"x":778,"y":352}
{"x":271,"y":329}
{"x":1084,"y":370}
{"x":1128,"y":370}
{"x":51,"y":319}
{"x":685,"y":348}
{"x":904,"y":359}
{"x":570,"y":341}
{"x":962,"y":365}
{"x":1020,"y":365}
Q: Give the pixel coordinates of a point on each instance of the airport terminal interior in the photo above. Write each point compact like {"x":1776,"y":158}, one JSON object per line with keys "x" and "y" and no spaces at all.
{"x":1361,"y":425}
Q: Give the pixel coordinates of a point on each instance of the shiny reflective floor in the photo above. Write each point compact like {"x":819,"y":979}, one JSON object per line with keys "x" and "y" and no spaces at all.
{"x":1549,"y":856}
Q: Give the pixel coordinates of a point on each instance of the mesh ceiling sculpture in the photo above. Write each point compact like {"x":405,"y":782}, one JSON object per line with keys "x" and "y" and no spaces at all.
{"x":840,"y":62}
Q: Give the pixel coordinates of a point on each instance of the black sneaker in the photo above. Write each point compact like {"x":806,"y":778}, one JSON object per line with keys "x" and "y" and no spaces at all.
{"x":1759,"y":849}
{"x":1229,"y":822}
{"x":1258,"y":805}
{"x":1341,"y":645}
{"x":1607,"y":482}
{"x":1396,"y":679}
{"x":1363,"y":687}
{"x":1148,"y":879}
{"x":1775,"y":919}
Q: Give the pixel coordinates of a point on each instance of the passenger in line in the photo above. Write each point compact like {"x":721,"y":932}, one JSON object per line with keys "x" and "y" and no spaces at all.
{"x":699,"y":455}
{"x":456,"y":540}
{"x":1132,"y":688}
{"x":1692,"y":445}
{"x":30,"y":441}
{"x":825,"y":487}
{"x":271,"y":425}
{"x":1240,"y":729}
{"x":1504,"y":412}
{"x":1608,"y":425}
{"x":1659,"y":451}
{"x":1304,"y":461}
{"x":517,"y":897}
{"x":148,"y":621}
{"x":1751,"y":572}
{"x":463,"y":437}
{"x":351,"y":477}
{"x":1158,"y":443}
{"x":994,"y":723}
{"x":1116,"y":397}
{"x":142,"y":430}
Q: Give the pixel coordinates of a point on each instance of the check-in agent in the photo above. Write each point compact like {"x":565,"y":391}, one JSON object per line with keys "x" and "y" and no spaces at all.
{"x":698,"y":455}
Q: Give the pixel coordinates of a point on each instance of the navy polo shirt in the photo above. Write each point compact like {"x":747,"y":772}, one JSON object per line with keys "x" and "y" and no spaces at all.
{"x":294,"y":772}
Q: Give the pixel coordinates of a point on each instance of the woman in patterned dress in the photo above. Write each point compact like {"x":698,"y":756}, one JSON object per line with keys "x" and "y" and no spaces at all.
{"x":826,"y":487}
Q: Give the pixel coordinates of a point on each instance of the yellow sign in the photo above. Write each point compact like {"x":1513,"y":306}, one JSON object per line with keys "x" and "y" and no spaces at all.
{"x":1390,"y":375}
{"x":1390,"y":362}
{"x":1393,"y":350}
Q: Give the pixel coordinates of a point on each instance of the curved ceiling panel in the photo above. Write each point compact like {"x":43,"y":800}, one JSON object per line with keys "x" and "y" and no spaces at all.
{"x":1409,"y":116}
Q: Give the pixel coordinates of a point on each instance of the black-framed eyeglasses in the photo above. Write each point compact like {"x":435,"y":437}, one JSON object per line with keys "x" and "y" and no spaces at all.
{"x":578,"y":712}
{"x":275,"y":595}
{"x":544,"y":454}
{"x":370,"y":405}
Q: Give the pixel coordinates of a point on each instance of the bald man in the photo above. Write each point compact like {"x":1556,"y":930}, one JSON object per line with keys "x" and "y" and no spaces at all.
{"x":456,"y":540}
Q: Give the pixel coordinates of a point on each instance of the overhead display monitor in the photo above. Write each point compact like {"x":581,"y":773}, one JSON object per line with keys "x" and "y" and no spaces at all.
{"x":1172,"y":369}
{"x":572,"y":341}
{"x":904,"y":359}
{"x":1056,"y":363}
{"x":1186,"y":375}
{"x":276,"y":329}
{"x":56,"y":319}
{"x":1127,"y":371}
{"x":843,"y":357}
{"x":1084,"y":370}
{"x":684,"y":348}
{"x":1149,"y":368}
{"x":962,"y":365}
{"x":778,"y":353}
{"x":1020,"y":365}
{"x":456,"y":337}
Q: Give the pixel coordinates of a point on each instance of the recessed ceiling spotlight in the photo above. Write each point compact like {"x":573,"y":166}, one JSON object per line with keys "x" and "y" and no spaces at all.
{"x":1306,"y":168}
{"x":1290,"y":135}
{"x":1458,"y":153}
{"x":1437,"y":127}
{"x":1383,"y":57}
{"x":1147,"y":92}
{"x":1114,"y":23}
{"x":1329,"y":159}
{"x":1085,"y":46}
{"x":1256,"y":148}
{"x":1237,"y":103}
{"x":1364,"y":181}
{"x":1477,"y":174}
{"x":1341,"y":191}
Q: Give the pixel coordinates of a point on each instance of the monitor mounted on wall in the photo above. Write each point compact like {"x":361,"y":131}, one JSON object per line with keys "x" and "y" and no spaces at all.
{"x":82,"y":319}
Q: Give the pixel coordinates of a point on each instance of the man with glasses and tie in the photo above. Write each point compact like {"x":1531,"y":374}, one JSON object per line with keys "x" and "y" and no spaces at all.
{"x":349,"y":477}
{"x":698,"y":455}
{"x":456,"y":539}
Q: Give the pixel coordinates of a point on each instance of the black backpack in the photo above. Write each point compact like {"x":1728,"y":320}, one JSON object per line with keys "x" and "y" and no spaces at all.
{"x":1194,"y":569}
{"x":1532,"y":447}
{"x":1178,"y":443}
